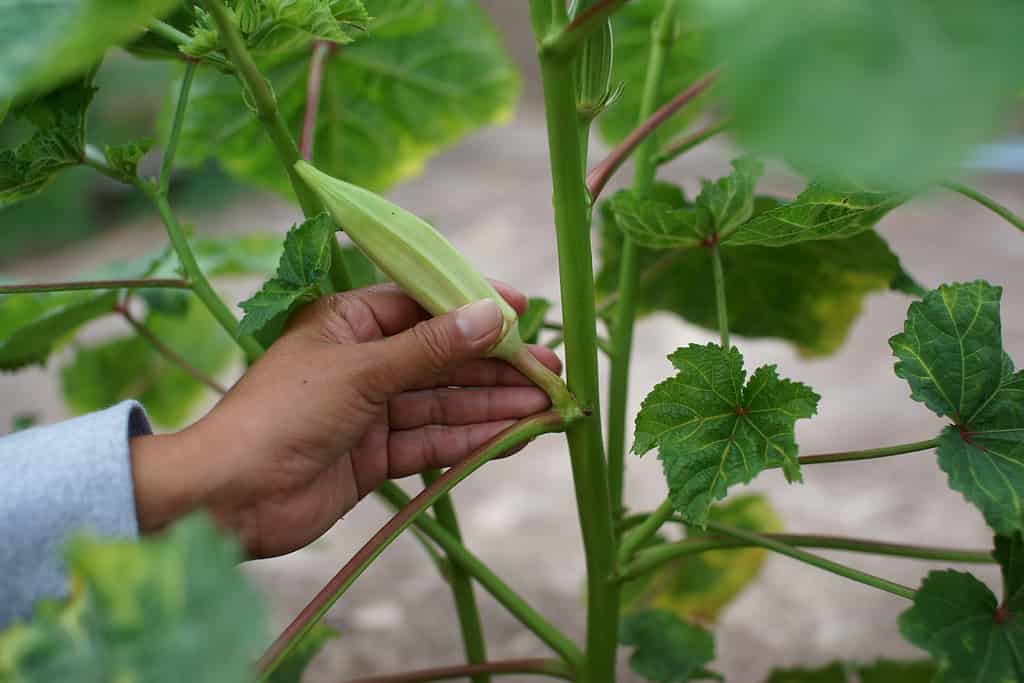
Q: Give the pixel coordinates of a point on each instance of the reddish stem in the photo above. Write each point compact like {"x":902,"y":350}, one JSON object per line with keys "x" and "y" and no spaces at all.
{"x":321,"y":50}
{"x":140,"y":283}
{"x":550,"y":667}
{"x":602,"y":173}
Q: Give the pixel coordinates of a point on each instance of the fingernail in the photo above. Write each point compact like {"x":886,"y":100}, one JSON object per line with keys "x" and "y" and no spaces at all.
{"x":478,"y":320}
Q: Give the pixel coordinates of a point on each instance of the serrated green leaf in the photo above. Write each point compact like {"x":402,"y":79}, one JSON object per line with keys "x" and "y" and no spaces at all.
{"x":103,"y":374}
{"x":957,"y":619}
{"x":951,"y":354}
{"x":667,"y":649}
{"x":699,"y":586}
{"x":819,"y":212}
{"x":389,"y":101}
{"x":304,"y":263}
{"x":894,"y":93}
{"x":714,"y":429}
{"x":57,"y":143}
{"x":836,"y":672}
{"x":32,"y":326}
{"x":730,"y":199}
{"x":124,"y":159}
{"x":532,"y":319}
{"x":895,"y":671}
{"x":808,"y":293}
{"x":43,"y":44}
{"x":686,"y":62}
{"x":144,"y":611}
{"x":290,"y":669}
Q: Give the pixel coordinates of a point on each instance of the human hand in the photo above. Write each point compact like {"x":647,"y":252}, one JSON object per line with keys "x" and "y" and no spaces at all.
{"x":357,"y":390}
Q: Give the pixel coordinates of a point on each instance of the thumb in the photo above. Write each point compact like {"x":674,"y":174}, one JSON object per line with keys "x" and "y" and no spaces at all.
{"x":422,"y":352}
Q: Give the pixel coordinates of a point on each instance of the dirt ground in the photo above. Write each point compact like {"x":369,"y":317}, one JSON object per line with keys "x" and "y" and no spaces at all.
{"x":491,"y":196}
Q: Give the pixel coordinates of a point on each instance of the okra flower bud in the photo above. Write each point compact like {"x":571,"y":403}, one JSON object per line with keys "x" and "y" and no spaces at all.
{"x":426,"y":265}
{"x":593,"y":71}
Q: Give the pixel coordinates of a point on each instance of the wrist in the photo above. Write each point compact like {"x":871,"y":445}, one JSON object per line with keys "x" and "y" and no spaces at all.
{"x":168,"y":479}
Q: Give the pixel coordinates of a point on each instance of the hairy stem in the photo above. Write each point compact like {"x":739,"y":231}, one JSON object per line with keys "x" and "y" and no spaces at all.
{"x":200,"y":285}
{"x":986,"y":201}
{"x":652,"y":558}
{"x":663,"y":32}
{"x":685,"y":144}
{"x":274,"y":124}
{"x":720,"y":303}
{"x":461,"y":584}
{"x":540,"y":667}
{"x":139,"y":283}
{"x":870,"y":453}
{"x":813,"y":560}
{"x":519,"y":433}
{"x":320,"y":50}
{"x":169,"y":353}
{"x":586,"y":452}
{"x":602,"y":173}
{"x":179,"y":119}
{"x":501,"y":592}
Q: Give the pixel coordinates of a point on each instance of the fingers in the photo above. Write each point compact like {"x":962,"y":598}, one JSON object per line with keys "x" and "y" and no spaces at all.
{"x":464,"y":406}
{"x":513,"y":296}
{"x":416,"y":356}
{"x":491,"y":372}
{"x":414,"y":450}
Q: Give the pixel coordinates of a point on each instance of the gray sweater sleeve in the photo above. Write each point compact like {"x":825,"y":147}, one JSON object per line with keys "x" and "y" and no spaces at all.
{"x":55,"y":481}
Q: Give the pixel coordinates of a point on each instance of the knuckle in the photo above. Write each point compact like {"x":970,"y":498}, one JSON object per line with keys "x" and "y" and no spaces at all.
{"x":350,"y":318}
{"x":435,"y":343}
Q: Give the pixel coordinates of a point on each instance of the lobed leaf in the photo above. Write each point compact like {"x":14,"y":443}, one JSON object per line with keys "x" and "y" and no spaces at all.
{"x":124,"y":159}
{"x":714,"y":429}
{"x":144,"y":611}
{"x":667,"y":649}
{"x":951,"y":354}
{"x":414,"y":85}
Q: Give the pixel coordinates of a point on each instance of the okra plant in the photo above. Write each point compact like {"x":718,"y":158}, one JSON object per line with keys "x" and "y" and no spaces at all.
{"x":329,"y":102}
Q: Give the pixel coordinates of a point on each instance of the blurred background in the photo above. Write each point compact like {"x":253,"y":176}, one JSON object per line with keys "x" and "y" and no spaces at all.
{"x":491,"y":196}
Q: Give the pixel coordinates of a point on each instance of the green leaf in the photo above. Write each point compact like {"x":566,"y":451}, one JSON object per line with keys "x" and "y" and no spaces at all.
{"x":361,"y":270}
{"x":951,"y":354}
{"x":668,"y":649}
{"x":32,"y":326}
{"x":125,"y":158}
{"x":892,"y":93}
{"x":283,"y":25}
{"x":819,"y":212}
{"x":894,"y":671}
{"x":836,"y":672}
{"x":808,"y":293}
{"x":295,"y":662}
{"x":304,"y":263}
{"x":23,"y":421}
{"x":43,"y":44}
{"x":730,"y":200}
{"x":713,"y":429}
{"x":686,"y":62}
{"x":129,"y":367}
{"x":144,"y":611}
{"x":390,"y":101}
{"x":532,"y":319}
{"x":700,"y":586}
{"x":57,"y":143}
{"x":958,"y":620}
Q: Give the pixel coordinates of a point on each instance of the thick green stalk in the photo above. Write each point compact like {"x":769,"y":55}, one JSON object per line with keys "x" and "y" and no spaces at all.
{"x":269,"y":115}
{"x":462,"y":585}
{"x":813,"y":560}
{"x":200,"y":285}
{"x":625,"y":316}
{"x":519,"y":433}
{"x":506,"y":596}
{"x":652,"y":558}
{"x":140,"y":283}
{"x":179,"y":119}
{"x":687,"y":143}
{"x":869,"y":453}
{"x":986,"y":201}
{"x":645,"y":530}
{"x":572,"y":222}
{"x":720,"y":304}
